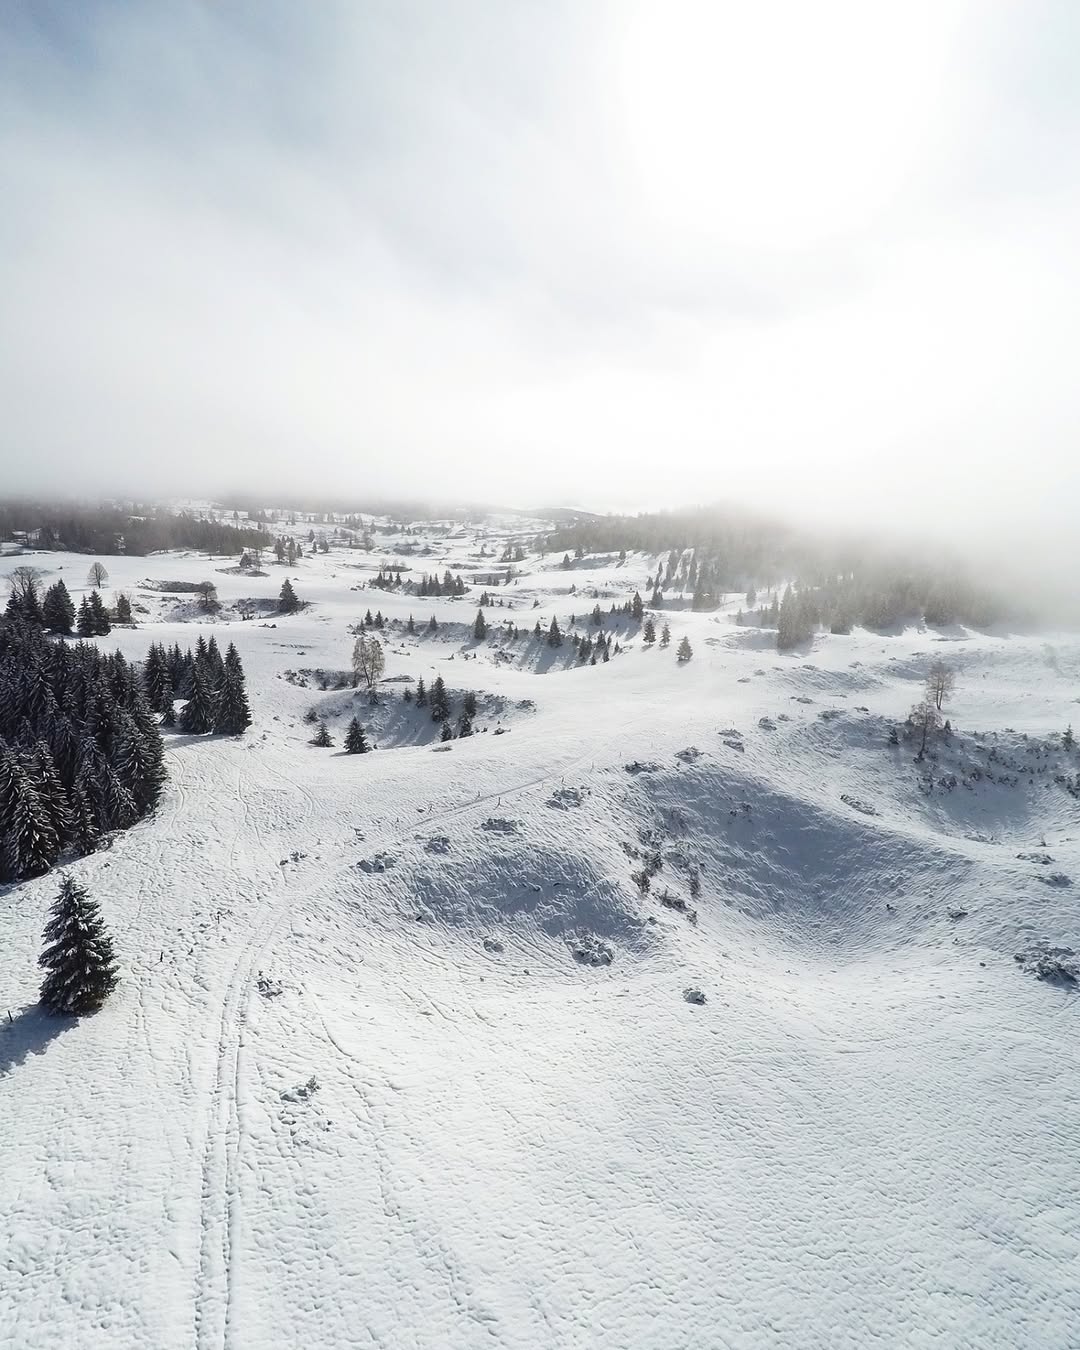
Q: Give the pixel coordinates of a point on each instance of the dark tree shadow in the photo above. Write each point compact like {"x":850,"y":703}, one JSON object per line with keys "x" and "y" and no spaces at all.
{"x":29,"y":1032}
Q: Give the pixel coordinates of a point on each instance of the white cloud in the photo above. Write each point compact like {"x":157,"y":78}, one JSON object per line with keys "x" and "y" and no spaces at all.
{"x":819,"y":257}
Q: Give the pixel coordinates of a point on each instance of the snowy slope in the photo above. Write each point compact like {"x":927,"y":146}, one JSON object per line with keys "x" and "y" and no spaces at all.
{"x":401,"y":1056}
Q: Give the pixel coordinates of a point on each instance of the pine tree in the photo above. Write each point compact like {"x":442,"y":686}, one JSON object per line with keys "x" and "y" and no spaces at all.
{"x":287,"y":599}
{"x":432,"y":626}
{"x":648,"y":633}
{"x":1068,"y":740}
{"x":637,"y":607}
{"x":322,"y":737}
{"x":233,"y":713}
{"x":200,"y":711}
{"x":554,"y":637}
{"x":99,"y":617}
{"x":479,"y":631}
{"x":57,"y":610}
{"x":665,"y":636}
{"x":410,"y":627}
{"x":440,"y":703}
{"x":51,"y":793}
{"x":78,"y":955}
{"x":123,"y":609}
{"x":685,"y":651}
{"x":355,"y":740}
{"x":85,"y":620}
{"x":214,"y":663}
{"x":30,"y":843}
{"x":446,"y":733}
{"x":421,"y":693}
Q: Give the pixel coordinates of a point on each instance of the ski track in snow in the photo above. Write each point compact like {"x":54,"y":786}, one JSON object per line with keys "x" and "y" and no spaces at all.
{"x":865,"y":1135}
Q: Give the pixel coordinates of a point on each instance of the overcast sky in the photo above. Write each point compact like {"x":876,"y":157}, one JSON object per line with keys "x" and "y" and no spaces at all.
{"x":645,"y":252}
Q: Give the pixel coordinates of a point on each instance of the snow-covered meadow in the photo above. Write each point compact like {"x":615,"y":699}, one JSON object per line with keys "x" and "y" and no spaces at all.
{"x":407,"y":1054}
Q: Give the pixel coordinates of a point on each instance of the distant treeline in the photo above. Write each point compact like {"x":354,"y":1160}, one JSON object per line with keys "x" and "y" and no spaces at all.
{"x":709,"y":554}
{"x":79,"y":528}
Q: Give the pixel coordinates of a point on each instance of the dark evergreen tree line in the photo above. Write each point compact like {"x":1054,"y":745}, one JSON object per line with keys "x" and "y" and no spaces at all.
{"x":432,"y":585}
{"x":212,"y":685}
{"x":80,"y":750}
{"x":705,"y":554}
{"x":81,"y":528}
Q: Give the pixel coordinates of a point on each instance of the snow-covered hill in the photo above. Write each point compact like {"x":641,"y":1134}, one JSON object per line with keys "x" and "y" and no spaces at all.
{"x":408,"y":1053}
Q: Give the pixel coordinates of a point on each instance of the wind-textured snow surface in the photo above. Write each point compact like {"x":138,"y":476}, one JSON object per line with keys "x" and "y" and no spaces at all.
{"x":403,"y":1057}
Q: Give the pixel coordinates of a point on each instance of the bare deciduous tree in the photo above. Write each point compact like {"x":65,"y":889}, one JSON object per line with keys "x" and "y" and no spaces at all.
{"x":207,"y":593}
{"x":926,"y":720}
{"x":369,"y":662}
{"x":97,"y":576}
{"x":940,"y":682}
{"x":24,"y":581}
{"x":245,"y":608}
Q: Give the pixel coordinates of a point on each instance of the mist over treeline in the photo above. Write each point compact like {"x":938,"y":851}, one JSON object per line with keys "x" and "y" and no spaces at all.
{"x":841,"y":575}
{"x":108,"y":527}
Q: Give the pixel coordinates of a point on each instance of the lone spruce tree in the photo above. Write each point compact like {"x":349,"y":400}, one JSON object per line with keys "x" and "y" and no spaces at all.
{"x":322,"y":737}
{"x":685,"y":651}
{"x":287,"y":600}
{"x":78,"y":955}
{"x":355,"y":740}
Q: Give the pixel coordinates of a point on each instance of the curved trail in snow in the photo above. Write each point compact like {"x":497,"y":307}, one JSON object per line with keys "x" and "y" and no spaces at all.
{"x":219,"y":1204}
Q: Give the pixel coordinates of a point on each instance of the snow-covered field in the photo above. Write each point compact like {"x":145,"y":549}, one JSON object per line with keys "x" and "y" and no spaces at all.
{"x":402,"y":1056}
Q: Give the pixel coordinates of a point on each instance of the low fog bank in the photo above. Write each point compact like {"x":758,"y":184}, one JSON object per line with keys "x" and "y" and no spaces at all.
{"x":1026,"y":566}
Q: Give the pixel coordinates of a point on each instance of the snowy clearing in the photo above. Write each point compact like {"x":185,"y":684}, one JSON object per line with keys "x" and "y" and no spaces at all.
{"x":408,"y":1051}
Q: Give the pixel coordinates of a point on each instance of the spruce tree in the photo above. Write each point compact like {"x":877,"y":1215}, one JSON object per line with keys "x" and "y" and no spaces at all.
{"x":665,"y":636}
{"x":432,"y":626}
{"x":648,"y":633}
{"x":322,"y":737}
{"x":410,"y":627}
{"x":554,"y":637}
{"x":51,"y":793}
{"x":233,"y":716}
{"x":200,"y":711}
{"x":30,"y":843}
{"x":57,"y":610}
{"x":287,"y":599}
{"x":479,"y":631}
{"x":440,"y":703}
{"x":685,"y":651}
{"x":78,"y":955}
{"x":99,"y":616}
{"x":446,"y":733}
{"x":355,"y":740}
{"x":421,"y":693}
{"x":123,"y":609}
{"x":85,"y":621}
